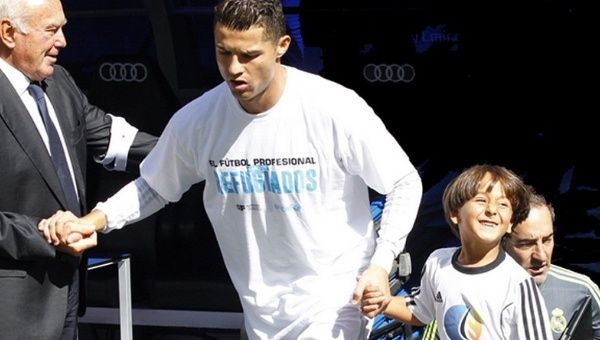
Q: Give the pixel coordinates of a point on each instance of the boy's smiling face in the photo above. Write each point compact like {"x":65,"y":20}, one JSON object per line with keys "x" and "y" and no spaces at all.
{"x":485,"y":218}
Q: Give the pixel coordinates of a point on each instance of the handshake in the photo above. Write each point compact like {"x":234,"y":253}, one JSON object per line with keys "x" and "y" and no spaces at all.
{"x":71,"y":234}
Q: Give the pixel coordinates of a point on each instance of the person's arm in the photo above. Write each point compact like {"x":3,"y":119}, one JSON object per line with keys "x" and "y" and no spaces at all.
{"x":397,"y":219}
{"x":20,"y":240}
{"x":96,"y":218}
{"x":595,"y":294}
{"x":398,"y":216}
{"x":110,"y":139}
{"x":134,"y":202}
{"x":365,"y":148}
{"x":398,"y":310}
{"x":127,"y":146}
{"x":116,"y":144}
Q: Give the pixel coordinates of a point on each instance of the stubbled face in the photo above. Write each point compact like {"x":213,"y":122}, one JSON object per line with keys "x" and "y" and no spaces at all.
{"x":36,"y":52}
{"x":249,"y":64}
{"x":531,"y":243}
{"x":485,"y":218}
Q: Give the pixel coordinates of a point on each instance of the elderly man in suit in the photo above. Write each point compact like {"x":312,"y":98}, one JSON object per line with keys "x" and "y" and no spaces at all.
{"x":47,"y":128}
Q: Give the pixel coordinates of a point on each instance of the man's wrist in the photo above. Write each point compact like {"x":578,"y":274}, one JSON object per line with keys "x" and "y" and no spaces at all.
{"x":383,"y":258}
{"x":97,"y":218}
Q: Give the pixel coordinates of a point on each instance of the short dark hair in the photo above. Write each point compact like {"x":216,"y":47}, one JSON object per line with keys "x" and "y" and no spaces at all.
{"x":241,"y":15}
{"x":465,"y":186}
{"x":537,"y":201}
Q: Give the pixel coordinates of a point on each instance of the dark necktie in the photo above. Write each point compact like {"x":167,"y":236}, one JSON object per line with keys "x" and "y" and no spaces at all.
{"x":56,"y":150}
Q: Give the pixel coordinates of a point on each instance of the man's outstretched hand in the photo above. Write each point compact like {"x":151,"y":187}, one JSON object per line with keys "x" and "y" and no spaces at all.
{"x":372,"y":292}
{"x":68,"y":233}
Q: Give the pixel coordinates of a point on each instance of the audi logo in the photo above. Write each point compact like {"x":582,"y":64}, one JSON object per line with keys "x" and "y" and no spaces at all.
{"x":123,"y":72}
{"x":384,"y":73}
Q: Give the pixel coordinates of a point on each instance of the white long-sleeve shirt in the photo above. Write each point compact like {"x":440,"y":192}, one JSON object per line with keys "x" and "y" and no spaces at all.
{"x":286,"y":193}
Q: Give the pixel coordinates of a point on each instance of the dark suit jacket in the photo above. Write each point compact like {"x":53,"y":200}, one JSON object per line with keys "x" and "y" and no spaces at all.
{"x":33,"y":276}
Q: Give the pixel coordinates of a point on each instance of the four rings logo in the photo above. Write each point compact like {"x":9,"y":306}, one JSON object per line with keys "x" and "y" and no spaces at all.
{"x":384,"y":73}
{"x":123,"y":72}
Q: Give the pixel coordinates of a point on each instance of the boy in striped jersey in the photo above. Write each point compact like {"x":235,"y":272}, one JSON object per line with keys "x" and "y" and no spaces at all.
{"x":475,"y":291}
{"x":531,"y":244}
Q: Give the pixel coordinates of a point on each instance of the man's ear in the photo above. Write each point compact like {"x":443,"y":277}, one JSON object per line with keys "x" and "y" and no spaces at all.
{"x":283,"y":45}
{"x":7,"y":33}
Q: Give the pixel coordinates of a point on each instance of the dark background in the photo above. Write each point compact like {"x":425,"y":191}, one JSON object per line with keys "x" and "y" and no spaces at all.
{"x":503,"y":82}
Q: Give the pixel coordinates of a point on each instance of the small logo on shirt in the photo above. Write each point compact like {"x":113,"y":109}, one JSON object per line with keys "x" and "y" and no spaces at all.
{"x":281,"y":208}
{"x":242,"y":207}
{"x":558,"y":322}
{"x":438,"y":297}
